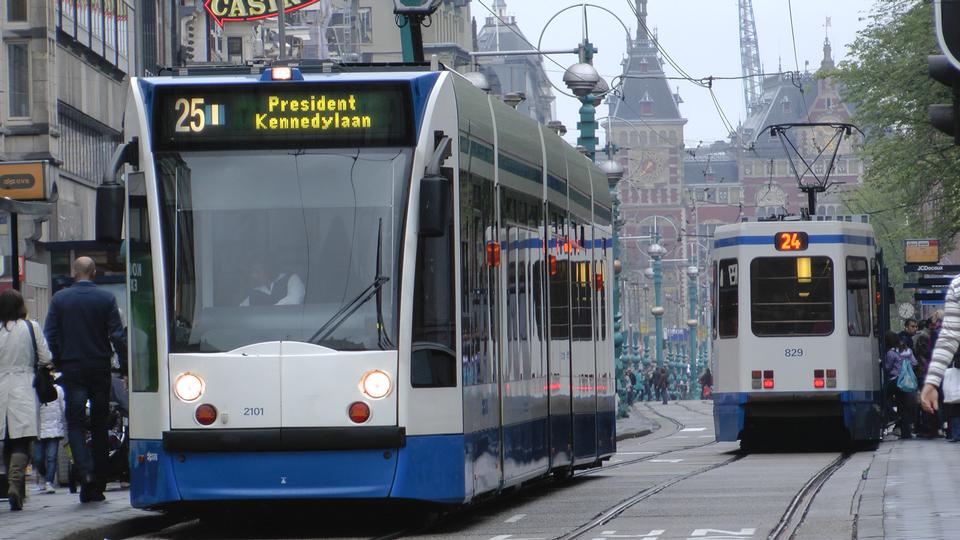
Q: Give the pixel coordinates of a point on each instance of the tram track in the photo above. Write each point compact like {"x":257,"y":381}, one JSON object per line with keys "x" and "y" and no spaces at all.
{"x":677,"y":427}
{"x":793,"y":517}
{"x":614,"y":511}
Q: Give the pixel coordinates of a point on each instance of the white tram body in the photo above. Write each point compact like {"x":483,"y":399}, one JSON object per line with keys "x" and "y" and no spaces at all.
{"x":797,"y":329}
{"x":405,"y":361}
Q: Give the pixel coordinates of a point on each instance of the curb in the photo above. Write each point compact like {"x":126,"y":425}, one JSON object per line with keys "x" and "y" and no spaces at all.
{"x":126,"y":528}
{"x":635,"y":434}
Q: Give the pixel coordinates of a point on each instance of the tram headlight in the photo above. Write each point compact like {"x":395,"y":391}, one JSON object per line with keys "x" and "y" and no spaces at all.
{"x":375,"y":384}
{"x":188,"y":387}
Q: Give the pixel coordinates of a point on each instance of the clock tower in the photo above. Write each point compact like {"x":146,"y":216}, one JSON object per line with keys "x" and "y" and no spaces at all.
{"x":647,"y":129}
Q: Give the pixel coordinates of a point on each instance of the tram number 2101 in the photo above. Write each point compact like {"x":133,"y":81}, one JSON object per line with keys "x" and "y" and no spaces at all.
{"x":793,"y":353}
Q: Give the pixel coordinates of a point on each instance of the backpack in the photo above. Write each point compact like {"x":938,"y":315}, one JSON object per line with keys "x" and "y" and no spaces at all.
{"x":906,"y":380}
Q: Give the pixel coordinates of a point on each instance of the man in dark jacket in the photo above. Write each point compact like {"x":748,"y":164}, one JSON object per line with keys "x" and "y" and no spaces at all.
{"x":81,"y":325}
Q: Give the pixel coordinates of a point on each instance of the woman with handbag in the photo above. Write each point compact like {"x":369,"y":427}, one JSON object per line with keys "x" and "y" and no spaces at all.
{"x":22,"y":351}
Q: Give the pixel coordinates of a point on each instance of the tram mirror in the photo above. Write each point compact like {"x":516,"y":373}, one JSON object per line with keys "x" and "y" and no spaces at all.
{"x":109,"y":220}
{"x":434,"y":197}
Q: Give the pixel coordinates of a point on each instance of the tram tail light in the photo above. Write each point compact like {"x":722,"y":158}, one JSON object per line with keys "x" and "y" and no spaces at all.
{"x":755,"y":377}
{"x":205,"y":414}
{"x":818,"y":383}
{"x":493,"y":254}
{"x":768,"y":379}
{"x":359,"y":412}
{"x":553,"y":265}
{"x":831,"y":378}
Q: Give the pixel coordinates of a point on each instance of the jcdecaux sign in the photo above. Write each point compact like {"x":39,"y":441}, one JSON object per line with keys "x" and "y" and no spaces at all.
{"x":249,"y":10}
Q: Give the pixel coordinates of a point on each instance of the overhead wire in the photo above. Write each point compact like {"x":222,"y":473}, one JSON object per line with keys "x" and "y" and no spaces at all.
{"x":520,"y":35}
{"x":798,"y":81}
{"x":707,"y":82}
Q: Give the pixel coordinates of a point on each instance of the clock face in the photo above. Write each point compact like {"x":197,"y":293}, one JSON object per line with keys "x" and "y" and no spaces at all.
{"x":905,"y":310}
{"x":649,"y":168}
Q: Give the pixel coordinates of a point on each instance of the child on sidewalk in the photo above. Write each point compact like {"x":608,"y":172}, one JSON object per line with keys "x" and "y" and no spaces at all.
{"x":47,"y":447}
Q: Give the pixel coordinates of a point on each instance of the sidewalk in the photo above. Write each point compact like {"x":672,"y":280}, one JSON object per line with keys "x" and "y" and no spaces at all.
{"x":910,"y":491}
{"x":636,"y":424}
{"x":60,"y":515}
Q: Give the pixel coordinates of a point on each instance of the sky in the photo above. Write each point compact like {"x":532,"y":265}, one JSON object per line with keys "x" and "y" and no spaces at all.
{"x":702,"y":36}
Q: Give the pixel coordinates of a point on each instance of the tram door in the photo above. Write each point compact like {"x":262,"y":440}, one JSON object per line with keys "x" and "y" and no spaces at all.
{"x":559,"y":368}
{"x":479,"y":267}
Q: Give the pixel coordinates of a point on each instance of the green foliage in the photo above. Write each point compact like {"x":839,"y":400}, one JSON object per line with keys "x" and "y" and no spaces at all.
{"x":911,"y":170}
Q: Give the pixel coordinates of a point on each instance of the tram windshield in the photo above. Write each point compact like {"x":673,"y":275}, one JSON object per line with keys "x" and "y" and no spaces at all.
{"x":791,"y":296}
{"x":282,"y":246}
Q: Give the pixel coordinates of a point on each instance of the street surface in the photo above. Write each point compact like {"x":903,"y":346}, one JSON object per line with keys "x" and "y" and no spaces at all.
{"x":673,"y":483}
{"x":676,"y":483}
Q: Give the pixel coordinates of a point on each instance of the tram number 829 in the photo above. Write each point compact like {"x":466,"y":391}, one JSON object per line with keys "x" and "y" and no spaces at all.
{"x":793,"y":353}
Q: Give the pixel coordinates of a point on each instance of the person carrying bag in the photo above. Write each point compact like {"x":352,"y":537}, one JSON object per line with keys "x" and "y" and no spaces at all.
{"x":19,"y":354}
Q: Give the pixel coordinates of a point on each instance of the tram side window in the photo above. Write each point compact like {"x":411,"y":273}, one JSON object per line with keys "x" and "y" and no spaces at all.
{"x":875,"y":295}
{"x":791,"y":296}
{"x":858,"y":297}
{"x":144,"y":369}
{"x":433,"y":360}
{"x":728,"y":304}
{"x":478,"y":317}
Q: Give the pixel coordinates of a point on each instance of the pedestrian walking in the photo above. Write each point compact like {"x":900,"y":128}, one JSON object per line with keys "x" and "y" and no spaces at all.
{"x":82,"y":324}
{"x":46,"y":449}
{"x":899,"y":351}
{"x":706,"y":384}
{"x":648,"y":384}
{"x":632,"y":388}
{"x":944,"y":349}
{"x":19,"y":337}
{"x":663,"y":383}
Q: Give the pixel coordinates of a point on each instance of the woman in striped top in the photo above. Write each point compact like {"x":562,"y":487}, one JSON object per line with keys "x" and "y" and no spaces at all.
{"x":946,"y":347}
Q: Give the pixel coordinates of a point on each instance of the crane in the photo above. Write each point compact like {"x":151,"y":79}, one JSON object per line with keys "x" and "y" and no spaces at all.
{"x":750,"y":57}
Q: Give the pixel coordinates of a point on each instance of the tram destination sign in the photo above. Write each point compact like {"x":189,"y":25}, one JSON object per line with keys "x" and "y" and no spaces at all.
{"x":282,"y":115}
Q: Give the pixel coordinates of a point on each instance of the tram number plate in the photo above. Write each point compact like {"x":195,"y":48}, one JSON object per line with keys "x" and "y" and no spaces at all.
{"x":253,"y":411}
{"x":793,"y":353}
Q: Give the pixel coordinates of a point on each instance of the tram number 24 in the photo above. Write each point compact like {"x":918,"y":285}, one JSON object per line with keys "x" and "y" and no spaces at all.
{"x":193,"y":110}
{"x":793,"y":353}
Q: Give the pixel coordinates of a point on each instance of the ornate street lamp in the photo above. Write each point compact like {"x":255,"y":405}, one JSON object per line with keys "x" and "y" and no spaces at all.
{"x":614,"y":173}
{"x":656,"y":252}
{"x":692,"y":273}
{"x":582,"y":78}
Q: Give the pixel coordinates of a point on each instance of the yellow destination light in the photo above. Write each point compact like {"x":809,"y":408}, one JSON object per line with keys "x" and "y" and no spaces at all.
{"x":301,"y":114}
{"x":804,"y":270}
{"x":287,"y":114}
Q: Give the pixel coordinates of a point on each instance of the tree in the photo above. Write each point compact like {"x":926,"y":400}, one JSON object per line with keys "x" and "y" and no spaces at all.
{"x":911,"y":171}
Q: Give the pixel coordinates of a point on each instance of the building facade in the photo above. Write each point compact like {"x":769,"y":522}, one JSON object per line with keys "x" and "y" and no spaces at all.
{"x":522,"y":75}
{"x":342,"y":30}
{"x":646,"y":127}
{"x":66,"y":65}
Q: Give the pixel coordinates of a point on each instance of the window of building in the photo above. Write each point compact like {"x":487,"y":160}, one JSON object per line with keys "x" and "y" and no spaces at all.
{"x":235,"y":49}
{"x":16,"y":10}
{"x":18,"y":77}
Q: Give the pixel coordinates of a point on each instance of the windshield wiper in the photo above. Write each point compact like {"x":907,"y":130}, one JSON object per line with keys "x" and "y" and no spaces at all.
{"x":353,"y":305}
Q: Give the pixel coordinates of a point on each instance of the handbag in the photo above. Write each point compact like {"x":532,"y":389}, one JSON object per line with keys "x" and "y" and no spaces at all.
{"x":907,"y":380}
{"x":951,"y":385}
{"x":42,"y":379}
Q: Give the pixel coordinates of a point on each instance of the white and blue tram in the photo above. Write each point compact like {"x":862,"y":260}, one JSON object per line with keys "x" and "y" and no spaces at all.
{"x":798,"y":321}
{"x":357,"y":283}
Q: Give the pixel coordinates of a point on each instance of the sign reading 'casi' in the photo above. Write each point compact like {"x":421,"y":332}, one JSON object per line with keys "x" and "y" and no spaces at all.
{"x":248,"y":10}
{"x":23,"y":180}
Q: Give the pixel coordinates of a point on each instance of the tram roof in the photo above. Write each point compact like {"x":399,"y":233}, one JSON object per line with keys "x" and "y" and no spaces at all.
{"x":761,"y":232}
